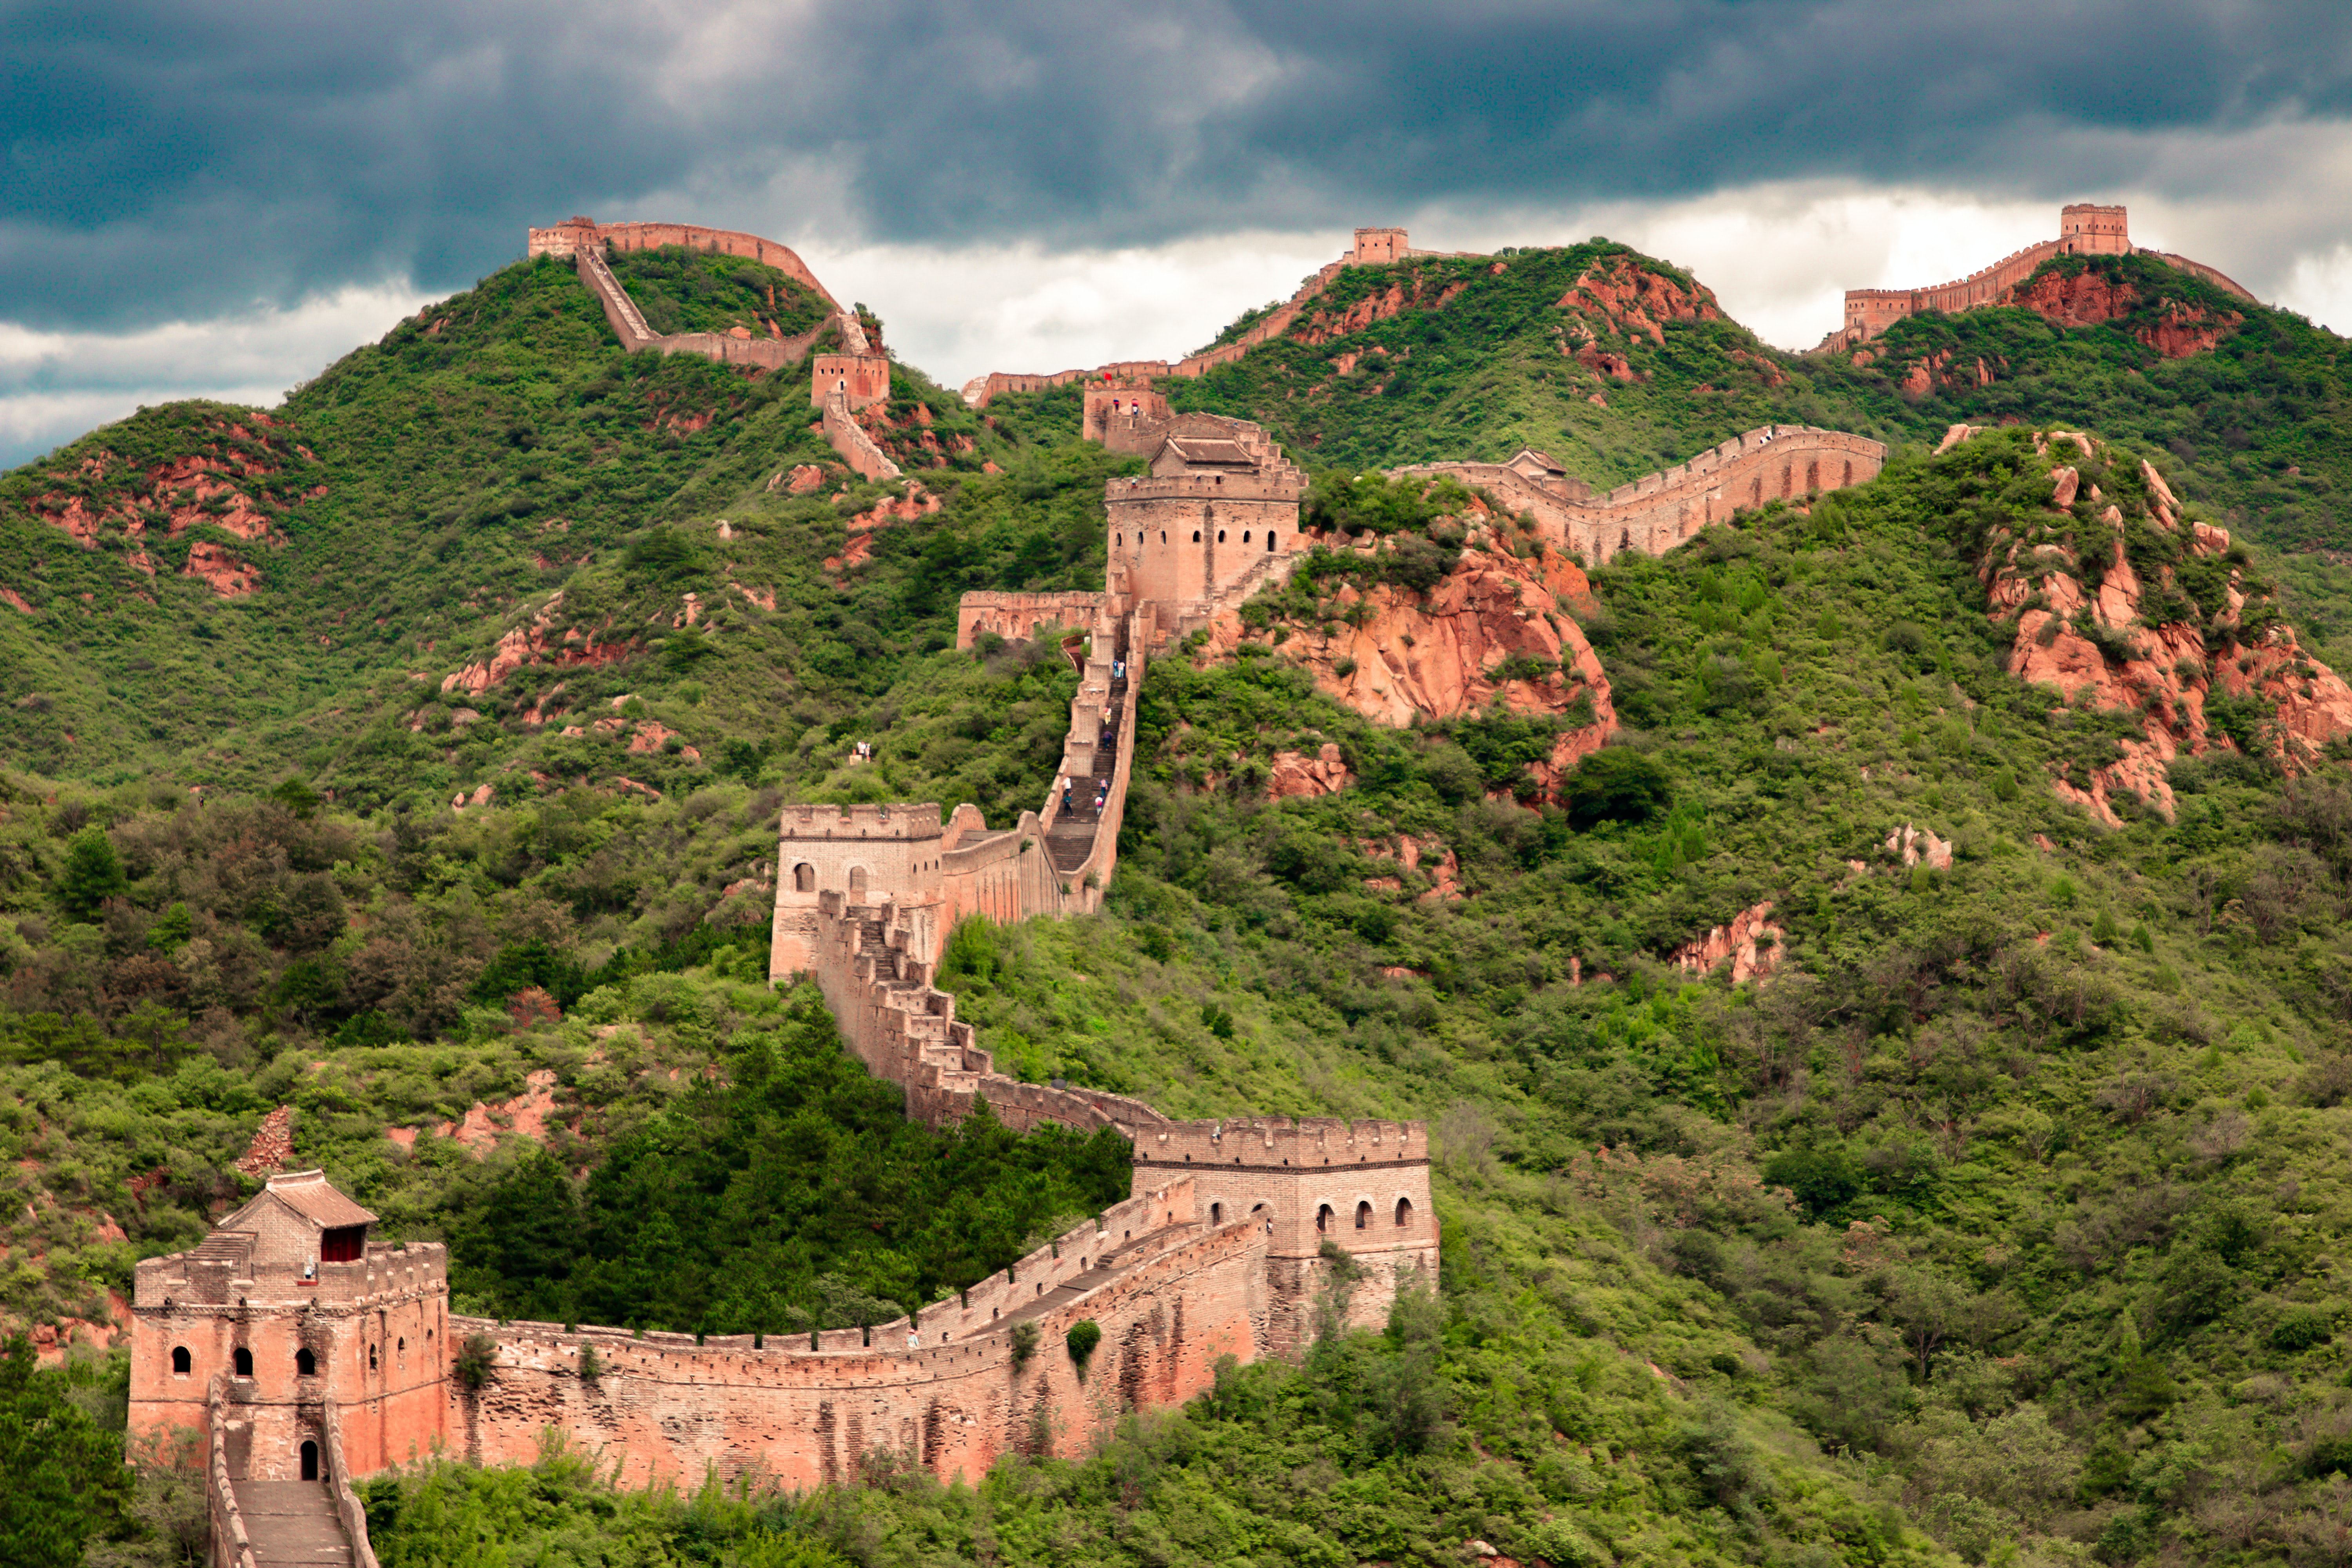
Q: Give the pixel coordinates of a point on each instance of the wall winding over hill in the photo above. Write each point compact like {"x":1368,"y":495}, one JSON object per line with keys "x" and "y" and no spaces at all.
{"x":1658,"y":511}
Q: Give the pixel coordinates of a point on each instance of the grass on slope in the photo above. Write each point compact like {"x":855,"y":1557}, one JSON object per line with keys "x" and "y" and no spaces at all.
{"x":678,"y":289}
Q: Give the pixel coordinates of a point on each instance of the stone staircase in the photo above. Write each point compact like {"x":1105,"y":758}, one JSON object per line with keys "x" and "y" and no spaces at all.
{"x":1071,"y":838}
{"x":292,"y":1524}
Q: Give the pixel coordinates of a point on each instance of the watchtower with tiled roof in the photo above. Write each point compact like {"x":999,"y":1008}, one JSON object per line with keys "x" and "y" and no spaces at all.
{"x":289,"y":1309}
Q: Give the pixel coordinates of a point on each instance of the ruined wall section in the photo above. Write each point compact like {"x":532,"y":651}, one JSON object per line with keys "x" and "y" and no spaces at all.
{"x":943,"y":1388}
{"x":1658,"y":511}
{"x":1019,"y":617}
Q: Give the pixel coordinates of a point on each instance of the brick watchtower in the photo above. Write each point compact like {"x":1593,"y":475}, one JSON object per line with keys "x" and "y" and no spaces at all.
{"x":1361,"y":1187}
{"x":2085,"y":229}
{"x":291,"y":1305}
{"x":868,"y":852}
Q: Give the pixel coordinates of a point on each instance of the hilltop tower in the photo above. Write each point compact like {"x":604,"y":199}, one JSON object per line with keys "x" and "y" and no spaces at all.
{"x":2087,"y":229}
{"x":871,"y":853}
{"x":1375,"y":246}
{"x":294,"y":1320}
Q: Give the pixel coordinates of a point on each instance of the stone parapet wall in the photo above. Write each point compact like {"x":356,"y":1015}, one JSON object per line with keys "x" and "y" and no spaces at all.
{"x":1658,"y":511}
{"x":231,"y":1545}
{"x":668,"y":1409}
{"x":338,"y":1479}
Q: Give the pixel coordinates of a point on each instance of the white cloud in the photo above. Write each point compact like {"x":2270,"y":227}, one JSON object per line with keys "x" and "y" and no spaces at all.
{"x":55,"y":385}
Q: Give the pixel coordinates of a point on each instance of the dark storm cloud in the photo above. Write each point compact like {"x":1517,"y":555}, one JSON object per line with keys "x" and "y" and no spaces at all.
{"x":175,"y":159}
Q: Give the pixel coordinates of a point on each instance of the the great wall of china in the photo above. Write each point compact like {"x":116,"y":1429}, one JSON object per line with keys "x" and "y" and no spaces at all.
{"x":2083,"y":229}
{"x":309,"y":1353}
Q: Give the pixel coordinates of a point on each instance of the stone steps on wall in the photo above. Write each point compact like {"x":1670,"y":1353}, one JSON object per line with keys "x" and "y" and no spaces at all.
{"x":292,"y":1524}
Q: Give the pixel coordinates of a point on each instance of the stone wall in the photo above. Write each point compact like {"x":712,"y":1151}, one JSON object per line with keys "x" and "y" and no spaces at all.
{"x":628,"y":324}
{"x":943,"y":1389}
{"x":574,"y":236}
{"x":2085,"y":228}
{"x":1658,"y":511}
{"x":1018,"y":617}
{"x":849,"y":439}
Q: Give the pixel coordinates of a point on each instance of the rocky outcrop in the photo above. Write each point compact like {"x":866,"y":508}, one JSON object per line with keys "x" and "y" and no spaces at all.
{"x":1405,"y":294}
{"x":1295,"y":774}
{"x":859,"y":546}
{"x":242,"y":475}
{"x":1915,"y":846}
{"x":1494,"y":629}
{"x":2091,"y":297}
{"x":1632,"y":299}
{"x":228,"y":574}
{"x":1752,"y":943}
{"x":537,"y":642}
{"x":2095,"y":646}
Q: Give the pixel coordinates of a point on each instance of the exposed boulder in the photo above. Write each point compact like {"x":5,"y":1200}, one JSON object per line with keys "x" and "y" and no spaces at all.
{"x":1752,"y":943}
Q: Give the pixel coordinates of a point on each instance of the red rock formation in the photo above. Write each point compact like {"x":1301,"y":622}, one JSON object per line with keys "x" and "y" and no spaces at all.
{"x":535,"y":643}
{"x":1295,"y":773}
{"x":1753,"y":943}
{"x":225,"y":483}
{"x":1324,"y":325}
{"x":230,"y":576}
{"x":16,"y":601}
{"x":916,"y":503}
{"x":1915,"y":846}
{"x":1435,"y":655}
{"x":2090,"y":298}
{"x":1632,"y":299}
{"x":2164,"y":672}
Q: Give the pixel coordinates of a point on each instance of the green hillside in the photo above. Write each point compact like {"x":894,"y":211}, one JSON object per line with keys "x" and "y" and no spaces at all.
{"x":2000,"y":1224}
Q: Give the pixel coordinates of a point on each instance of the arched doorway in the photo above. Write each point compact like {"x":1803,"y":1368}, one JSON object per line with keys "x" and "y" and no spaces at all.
{"x":310,"y":1460}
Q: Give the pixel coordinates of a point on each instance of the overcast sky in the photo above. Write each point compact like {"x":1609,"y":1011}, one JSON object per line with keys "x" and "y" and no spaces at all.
{"x":220,"y":198}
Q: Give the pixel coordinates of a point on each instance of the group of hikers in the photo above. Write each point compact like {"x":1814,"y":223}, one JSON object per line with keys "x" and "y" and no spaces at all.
{"x":1109,"y":743}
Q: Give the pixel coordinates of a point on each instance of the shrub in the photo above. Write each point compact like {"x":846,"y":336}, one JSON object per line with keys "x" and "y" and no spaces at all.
{"x":1084,"y":1336}
{"x":476,"y":1357}
{"x":1023,"y":1340}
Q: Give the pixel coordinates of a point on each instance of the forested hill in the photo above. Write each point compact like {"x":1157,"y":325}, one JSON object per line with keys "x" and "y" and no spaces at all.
{"x":1993,"y":1218}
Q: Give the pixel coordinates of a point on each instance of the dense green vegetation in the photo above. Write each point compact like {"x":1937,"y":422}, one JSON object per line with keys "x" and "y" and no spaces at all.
{"x":2001,"y":1223}
{"x":788,"y":1193}
{"x":681,"y":290}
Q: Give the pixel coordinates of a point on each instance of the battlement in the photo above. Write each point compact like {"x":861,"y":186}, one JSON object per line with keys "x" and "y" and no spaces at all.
{"x":1281,"y":484}
{"x":902,"y":823}
{"x":225,"y":1271}
{"x":1281,"y":1143}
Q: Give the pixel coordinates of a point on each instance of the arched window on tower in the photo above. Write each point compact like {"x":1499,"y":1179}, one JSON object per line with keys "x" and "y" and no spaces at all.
{"x":857,"y":878}
{"x":1364,"y":1215}
{"x":181,"y":1365}
{"x":1403,"y":1213}
{"x":1323,"y":1218}
{"x":803,"y":877}
{"x":305,"y":1363}
{"x":242,"y":1362}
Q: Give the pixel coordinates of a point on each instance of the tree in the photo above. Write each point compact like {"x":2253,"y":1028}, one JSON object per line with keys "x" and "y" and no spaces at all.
{"x":1616,"y":784}
{"x":62,"y":1479}
{"x":92,"y":873}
